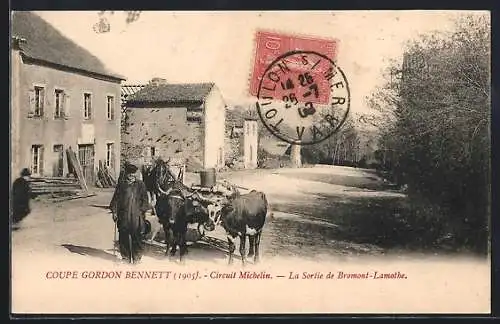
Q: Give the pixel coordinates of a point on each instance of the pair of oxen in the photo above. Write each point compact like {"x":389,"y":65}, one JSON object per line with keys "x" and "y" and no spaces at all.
{"x":176,"y":206}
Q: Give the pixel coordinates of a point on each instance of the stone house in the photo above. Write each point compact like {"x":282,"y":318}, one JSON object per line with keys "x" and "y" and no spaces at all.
{"x":61,"y":96}
{"x":184,"y":122}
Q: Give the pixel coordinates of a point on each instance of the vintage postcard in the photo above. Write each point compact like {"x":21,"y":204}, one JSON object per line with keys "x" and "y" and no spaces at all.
{"x":244,"y":162}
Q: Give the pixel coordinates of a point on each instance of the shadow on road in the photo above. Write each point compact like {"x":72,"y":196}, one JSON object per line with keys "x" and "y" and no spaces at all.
{"x":100,"y":206}
{"x":199,"y":251}
{"x":360,"y":225}
{"x":93,"y":252}
{"x":371,"y":221}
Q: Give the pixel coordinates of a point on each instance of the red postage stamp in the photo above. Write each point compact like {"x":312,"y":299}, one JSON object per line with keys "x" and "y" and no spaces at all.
{"x":270,"y":45}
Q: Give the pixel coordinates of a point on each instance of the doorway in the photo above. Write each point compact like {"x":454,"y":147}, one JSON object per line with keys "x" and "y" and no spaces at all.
{"x":58,"y":166}
{"x":86,"y":154}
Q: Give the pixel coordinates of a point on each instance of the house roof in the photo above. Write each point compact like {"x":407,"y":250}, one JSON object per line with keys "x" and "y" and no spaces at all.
{"x":172,"y":93}
{"x":127,"y":91}
{"x":130,"y":89}
{"x":45,"y":43}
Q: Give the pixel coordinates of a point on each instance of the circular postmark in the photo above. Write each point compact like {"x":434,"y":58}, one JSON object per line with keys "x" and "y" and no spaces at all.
{"x":303,"y":97}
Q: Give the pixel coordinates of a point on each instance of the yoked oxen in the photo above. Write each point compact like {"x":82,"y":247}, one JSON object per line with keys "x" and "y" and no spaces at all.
{"x":176,"y":207}
{"x":242,"y":215}
{"x":175,"y":211}
{"x":155,"y":176}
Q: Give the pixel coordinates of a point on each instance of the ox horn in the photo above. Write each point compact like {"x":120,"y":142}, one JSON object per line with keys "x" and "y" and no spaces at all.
{"x":192,"y":194}
{"x":161,"y":190}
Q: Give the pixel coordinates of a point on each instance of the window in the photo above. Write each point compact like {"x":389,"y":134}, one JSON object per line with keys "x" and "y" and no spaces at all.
{"x":110,"y":155}
{"x":59,"y":103}
{"x":39,"y":101}
{"x":87,"y":106}
{"x":110,"y":105}
{"x":37,"y":159}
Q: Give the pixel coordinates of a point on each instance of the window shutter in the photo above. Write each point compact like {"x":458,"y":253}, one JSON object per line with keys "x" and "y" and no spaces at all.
{"x":55,"y":159}
{"x":61,"y":100}
{"x":32,"y":164}
{"x":112,"y":162}
{"x":31,"y":103}
{"x":112,"y":108}
{"x":66,"y":105}
{"x":40,"y":166}
{"x":107,"y":111}
{"x":90,"y":107}
{"x":44,"y":102}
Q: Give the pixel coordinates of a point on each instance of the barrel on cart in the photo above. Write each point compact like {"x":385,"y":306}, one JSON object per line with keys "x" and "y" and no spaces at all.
{"x":207,"y":178}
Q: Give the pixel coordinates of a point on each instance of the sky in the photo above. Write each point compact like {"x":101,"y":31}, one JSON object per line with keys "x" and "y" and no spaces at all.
{"x":218,"y":47}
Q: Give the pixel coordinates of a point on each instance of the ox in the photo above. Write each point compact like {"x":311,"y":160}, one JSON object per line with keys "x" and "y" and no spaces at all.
{"x":175,"y":207}
{"x":156,"y":176}
{"x":241,"y":216}
{"x":175,"y":210}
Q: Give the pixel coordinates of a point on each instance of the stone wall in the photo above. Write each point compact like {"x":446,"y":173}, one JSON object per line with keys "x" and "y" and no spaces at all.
{"x":167,"y":130}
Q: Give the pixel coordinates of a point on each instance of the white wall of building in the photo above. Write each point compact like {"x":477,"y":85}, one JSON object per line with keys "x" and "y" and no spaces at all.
{"x":250,"y":143}
{"x":214,"y":121}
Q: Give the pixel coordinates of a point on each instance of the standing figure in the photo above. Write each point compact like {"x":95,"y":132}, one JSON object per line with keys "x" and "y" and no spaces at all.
{"x":128,"y":206}
{"x":21,"y":194}
{"x":148,"y":179}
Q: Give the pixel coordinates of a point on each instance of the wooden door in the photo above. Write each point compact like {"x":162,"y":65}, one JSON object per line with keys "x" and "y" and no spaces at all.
{"x":86,"y":158}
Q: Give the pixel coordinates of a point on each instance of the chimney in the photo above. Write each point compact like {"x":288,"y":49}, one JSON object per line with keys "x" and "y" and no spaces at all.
{"x":158,"y":81}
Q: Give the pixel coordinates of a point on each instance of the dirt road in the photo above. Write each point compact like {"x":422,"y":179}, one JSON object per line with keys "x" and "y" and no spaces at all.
{"x":315,"y":210}
{"x":322,"y":216}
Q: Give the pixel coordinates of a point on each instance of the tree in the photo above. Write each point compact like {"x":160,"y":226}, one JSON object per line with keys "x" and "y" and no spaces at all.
{"x":341,"y":148}
{"x":435,"y":136}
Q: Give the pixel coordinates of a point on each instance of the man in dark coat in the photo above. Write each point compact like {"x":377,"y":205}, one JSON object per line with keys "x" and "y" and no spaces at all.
{"x":128,"y":206}
{"x":21,"y":194}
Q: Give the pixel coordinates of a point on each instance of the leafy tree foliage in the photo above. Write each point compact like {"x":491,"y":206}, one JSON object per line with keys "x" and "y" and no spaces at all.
{"x":341,"y":148}
{"x":435,"y":134}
